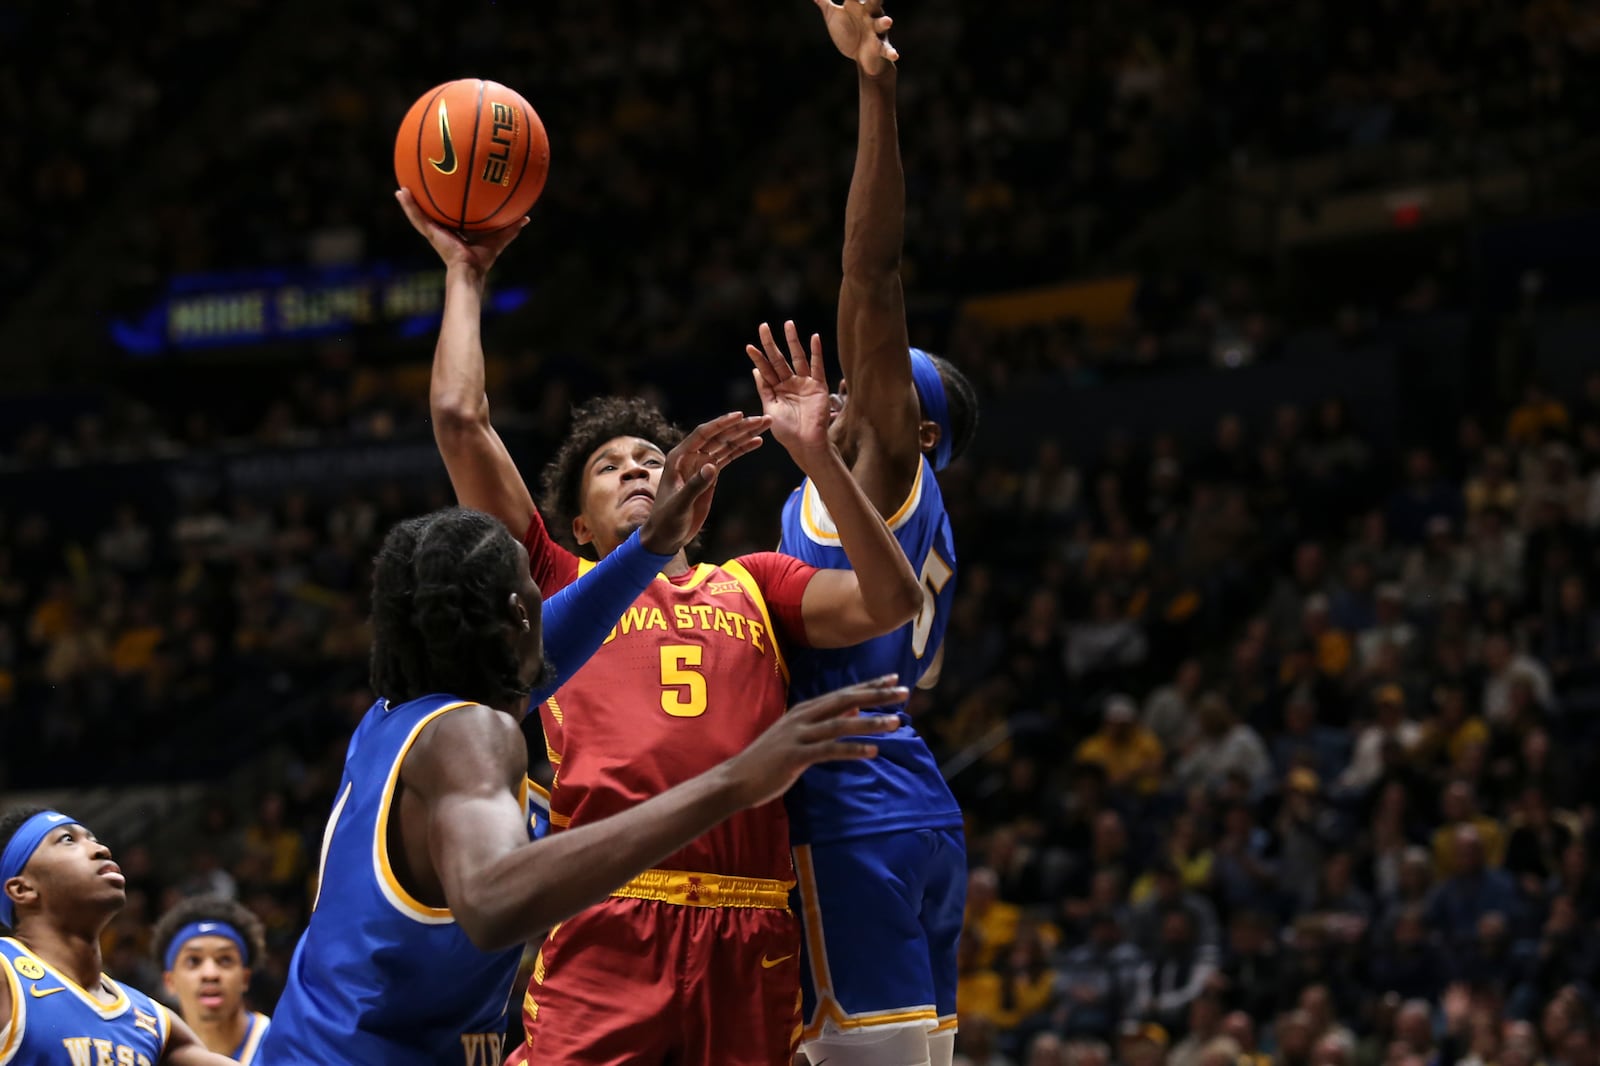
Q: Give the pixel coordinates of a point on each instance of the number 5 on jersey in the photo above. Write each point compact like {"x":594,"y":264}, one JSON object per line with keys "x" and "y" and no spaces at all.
{"x":935,"y":573}
{"x":683,"y":689}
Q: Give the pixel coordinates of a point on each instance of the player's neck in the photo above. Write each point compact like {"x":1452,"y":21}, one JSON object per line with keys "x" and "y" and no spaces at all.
{"x":225,"y":1035}
{"x":75,"y":953}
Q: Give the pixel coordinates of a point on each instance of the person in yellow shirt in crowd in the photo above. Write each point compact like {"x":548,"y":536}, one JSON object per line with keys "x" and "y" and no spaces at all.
{"x":1451,"y":730}
{"x":990,"y":921}
{"x":1460,"y":808}
{"x":1190,"y":856}
{"x":1128,"y":752}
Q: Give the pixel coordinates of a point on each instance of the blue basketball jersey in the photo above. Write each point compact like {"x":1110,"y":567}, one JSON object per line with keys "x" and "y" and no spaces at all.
{"x":245,"y":1053}
{"x":53,"y":1020}
{"x":379,"y":976}
{"x":902,"y":788}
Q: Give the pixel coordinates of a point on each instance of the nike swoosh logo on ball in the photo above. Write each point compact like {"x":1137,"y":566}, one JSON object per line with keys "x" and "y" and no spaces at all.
{"x":447,"y":163}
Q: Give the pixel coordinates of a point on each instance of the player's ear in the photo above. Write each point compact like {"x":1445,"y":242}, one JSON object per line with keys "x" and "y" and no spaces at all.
{"x":580,"y":531}
{"x":519,"y":613}
{"x":928,"y":434}
{"x":19,"y":890}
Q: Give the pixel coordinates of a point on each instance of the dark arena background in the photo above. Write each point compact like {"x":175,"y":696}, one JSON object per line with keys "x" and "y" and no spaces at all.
{"x":1279,"y":543}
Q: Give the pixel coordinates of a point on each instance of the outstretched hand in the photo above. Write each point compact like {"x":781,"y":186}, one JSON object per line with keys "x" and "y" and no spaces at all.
{"x":683,"y":497}
{"x":857,"y":28}
{"x":794,"y":391}
{"x":476,"y":255}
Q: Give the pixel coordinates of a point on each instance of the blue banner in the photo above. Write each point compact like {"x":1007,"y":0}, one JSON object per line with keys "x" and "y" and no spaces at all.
{"x":260,"y":306}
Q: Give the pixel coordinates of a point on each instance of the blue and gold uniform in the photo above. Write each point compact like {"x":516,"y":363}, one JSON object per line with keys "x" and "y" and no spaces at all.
{"x":245,"y":1053}
{"x":879,"y":858}
{"x":379,"y":976}
{"x":53,"y":1020}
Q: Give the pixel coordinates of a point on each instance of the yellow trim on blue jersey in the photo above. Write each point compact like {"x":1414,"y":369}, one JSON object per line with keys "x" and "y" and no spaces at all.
{"x":828,"y":1012}
{"x":947,"y":1024}
{"x":747,"y":582}
{"x":106,"y":1011}
{"x":327,"y":842}
{"x":537,"y":789}
{"x":818,"y":523}
{"x":19,"y":1014}
{"x":388,"y":883}
{"x":164,"y":1023}
{"x":252,"y":1040}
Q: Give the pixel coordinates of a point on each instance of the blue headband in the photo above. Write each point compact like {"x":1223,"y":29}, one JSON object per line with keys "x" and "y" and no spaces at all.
{"x":206,"y":928}
{"x":20,"y":849}
{"x":935,"y":407}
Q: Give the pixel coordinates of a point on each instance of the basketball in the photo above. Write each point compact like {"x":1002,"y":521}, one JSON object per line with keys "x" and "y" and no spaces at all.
{"x":473,"y":154}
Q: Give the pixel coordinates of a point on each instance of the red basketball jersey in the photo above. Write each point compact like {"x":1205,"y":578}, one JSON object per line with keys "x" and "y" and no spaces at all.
{"x":690,"y":675}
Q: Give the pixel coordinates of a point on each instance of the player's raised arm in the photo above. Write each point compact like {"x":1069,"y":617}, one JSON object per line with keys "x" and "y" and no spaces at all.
{"x":881,"y":592}
{"x":882,"y":416}
{"x":467,"y":766}
{"x":184,"y":1048}
{"x":481,"y":469}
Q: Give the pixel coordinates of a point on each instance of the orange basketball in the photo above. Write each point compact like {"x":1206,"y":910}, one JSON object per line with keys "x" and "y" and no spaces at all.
{"x":473,"y":154}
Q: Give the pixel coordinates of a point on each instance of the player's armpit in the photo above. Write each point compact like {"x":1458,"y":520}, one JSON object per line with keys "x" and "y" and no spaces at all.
{"x":838,"y":615}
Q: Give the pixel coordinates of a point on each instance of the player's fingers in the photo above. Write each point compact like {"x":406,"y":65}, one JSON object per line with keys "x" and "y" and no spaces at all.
{"x":882,"y":24}
{"x":797,"y":352}
{"x":769,"y":345}
{"x":850,"y":725}
{"x":763,"y":365}
{"x":818,"y":371}
{"x":735,"y":452}
{"x":764,"y":389}
{"x":697,"y":484}
{"x":877,"y":693}
{"x":845,"y":749}
{"x":705,"y":432}
{"x":420,"y":222}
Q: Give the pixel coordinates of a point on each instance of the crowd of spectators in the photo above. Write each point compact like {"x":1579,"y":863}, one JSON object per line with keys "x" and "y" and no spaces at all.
{"x":711,"y":141}
{"x":1273,"y":746}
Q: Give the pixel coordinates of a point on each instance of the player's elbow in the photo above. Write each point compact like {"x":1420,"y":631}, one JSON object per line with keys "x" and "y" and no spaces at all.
{"x":457,"y":413}
{"x":488,"y":927}
{"x":898,"y":606}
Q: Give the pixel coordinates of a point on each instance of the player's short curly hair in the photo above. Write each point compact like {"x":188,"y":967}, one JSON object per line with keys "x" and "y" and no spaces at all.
{"x":210,"y":909}
{"x":593,"y":423}
{"x":962,"y":400}
{"x":10,"y":822}
{"x":440,"y":585}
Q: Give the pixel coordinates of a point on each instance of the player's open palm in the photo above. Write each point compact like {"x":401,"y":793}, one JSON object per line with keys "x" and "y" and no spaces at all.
{"x":814,"y":732}
{"x":857,"y":28}
{"x":478,"y":255}
{"x":689,"y":477}
{"x":793,"y":390}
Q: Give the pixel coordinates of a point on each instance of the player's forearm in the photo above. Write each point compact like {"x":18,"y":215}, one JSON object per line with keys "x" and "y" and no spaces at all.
{"x":579,"y":617}
{"x":890,"y":590}
{"x":875,"y":213}
{"x":456,"y":395}
{"x":550,"y":880}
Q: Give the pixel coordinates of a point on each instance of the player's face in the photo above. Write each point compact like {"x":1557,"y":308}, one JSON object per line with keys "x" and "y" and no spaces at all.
{"x":619,"y":490}
{"x":209,"y":978}
{"x":73,"y":869}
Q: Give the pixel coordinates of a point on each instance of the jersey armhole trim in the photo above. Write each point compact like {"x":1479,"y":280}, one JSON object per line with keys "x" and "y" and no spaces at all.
{"x":747,"y":582}
{"x":388,"y":883}
{"x":11,"y":1035}
{"x":818,"y":523}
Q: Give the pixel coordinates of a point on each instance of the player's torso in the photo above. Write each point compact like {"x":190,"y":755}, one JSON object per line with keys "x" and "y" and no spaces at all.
{"x":54,"y":1021}
{"x":690,"y":675}
{"x":902,"y":788}
{"x":380,"y":975}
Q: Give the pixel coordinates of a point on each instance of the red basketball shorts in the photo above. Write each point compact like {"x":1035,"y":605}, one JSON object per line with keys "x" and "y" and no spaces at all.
{"x":712,"y":980}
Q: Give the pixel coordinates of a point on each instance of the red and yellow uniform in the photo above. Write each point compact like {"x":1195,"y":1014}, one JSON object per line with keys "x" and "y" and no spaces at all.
{"x":697,"y":961}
